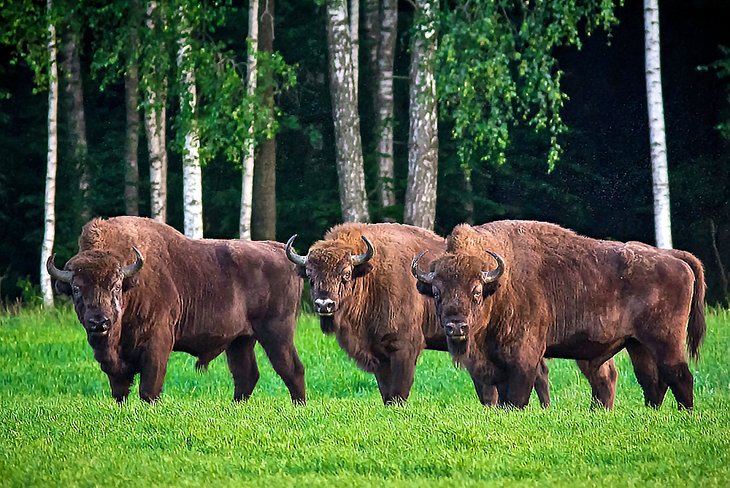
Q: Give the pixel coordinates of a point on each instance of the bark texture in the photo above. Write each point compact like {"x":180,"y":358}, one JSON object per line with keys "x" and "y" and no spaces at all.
{"x":659,"y":171}
{"x":73,"y":85}
{"x":384,"y":101}
{"x":264,"y":176}
{"x":244,"y":227}
{"x":192,"y":177}
{"x":49,"y":228}
{"x":131,"y":103}
{"x":371,"y":22}
{"x":355,"y":42}
{"x":348,"y":144}
{"x":155,"y":128}
{"x":420,"y":204}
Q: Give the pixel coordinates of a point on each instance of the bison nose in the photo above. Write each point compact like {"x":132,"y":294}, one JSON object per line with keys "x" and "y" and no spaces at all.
{"x":324,"y":306}
{"x":456,"y":329}
{"x":98,"y":324}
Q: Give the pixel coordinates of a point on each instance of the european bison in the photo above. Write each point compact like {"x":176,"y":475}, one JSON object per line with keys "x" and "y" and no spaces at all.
{"x":555,"y":293}
{"x":142,"y":290}
{"x":363,"y":293}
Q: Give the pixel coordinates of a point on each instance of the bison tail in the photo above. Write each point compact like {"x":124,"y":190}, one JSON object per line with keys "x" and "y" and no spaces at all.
{"x":697,"y":326}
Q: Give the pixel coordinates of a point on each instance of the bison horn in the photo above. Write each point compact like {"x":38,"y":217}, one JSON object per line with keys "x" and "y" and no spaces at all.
{"x":58,"y":274}
{"x":363,"y":258}
{"x":417,"y":273}
{"x":292,"y":255}
{"x":491,"y":276}
{"x":133,"y":268}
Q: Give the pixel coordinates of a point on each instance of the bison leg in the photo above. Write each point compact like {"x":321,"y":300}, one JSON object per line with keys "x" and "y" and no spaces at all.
{"x":519,"y":386}
{"x":285,"y":361}
{"x":674,"y":371}
{"x":542,"y":385}
{"x":647,"y":374}
{"x":602,"y":381}
{"x":154,"y":366}
{"x":402,"y":373}
{"x":486,"y":392}
{"x":382,"y":376}
{"x":242,"y":364}
{"x":120,"y":387}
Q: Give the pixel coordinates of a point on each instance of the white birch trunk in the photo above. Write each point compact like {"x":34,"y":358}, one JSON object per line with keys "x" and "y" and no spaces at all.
{"x":660,"y":173}
{"x":420,"y":204}
{"x":192,"y":177}
{"x":155,"y":121}
{"x":384,"y":101}
{"x":355,"y":42}
{"x":244,"y":226}
{"x":49,"y":228}
{"x":348,"y":144}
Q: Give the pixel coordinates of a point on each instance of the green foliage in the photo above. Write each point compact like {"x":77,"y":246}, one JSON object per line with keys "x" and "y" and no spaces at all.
{"x":498,"y":69}
{"x":25,"y":27}
{"x":60,"y":425}
{"x":722,"y":68}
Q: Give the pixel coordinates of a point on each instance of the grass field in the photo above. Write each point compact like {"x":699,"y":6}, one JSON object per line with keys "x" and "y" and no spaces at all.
{"x":59,"y":425}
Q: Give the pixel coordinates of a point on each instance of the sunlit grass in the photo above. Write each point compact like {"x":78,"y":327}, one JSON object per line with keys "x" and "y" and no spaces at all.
{"x":59,"y":425}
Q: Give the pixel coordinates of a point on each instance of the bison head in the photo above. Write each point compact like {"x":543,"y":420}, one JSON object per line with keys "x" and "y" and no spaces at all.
{"x":460,"y":285}
{"x":332,"y":268}
{"x":96,"y":280}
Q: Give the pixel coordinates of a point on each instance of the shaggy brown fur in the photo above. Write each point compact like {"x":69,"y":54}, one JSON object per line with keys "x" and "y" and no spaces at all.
{"x":565,"y":295}
{"x":202,"y":297}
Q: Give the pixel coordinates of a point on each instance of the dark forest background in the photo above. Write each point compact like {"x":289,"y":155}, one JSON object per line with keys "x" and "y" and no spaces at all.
{"x":601,"y":187}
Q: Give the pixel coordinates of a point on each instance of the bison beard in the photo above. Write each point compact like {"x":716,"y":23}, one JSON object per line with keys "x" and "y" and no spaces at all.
{"x":327,"y":324}
{"x":565,"y":295}
{"x":202,"y":297}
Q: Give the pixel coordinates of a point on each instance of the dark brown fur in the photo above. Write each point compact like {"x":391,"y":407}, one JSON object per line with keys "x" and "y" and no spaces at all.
{"x":202,"y":297}
{"x":565,"y":295}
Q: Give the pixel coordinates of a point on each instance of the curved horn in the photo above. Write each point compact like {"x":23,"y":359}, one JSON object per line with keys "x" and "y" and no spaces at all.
{"x":363,"y":258}
{"x":292,"y":255}
{"x":132,"y":269}
{"x":58,"y":274}
{"x":417,"y":273}
{"x":491,"y":276}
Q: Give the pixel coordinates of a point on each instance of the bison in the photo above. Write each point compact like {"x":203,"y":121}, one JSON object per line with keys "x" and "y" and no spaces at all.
{"x":142,"y":290}
{"x":363,"y":292}
{"x":508,"y":293}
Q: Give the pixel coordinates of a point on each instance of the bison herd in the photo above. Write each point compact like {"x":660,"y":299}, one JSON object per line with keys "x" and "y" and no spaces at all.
{"x":499,"y":297}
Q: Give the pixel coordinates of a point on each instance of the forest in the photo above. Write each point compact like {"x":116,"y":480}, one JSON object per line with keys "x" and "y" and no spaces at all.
{"x":263,"y":119}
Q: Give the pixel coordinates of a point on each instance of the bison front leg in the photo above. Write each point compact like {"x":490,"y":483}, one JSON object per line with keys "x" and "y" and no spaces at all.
{"x":285,"y":361}
{"x":154,"y":366}
{"x":521,"y":380}
{"x":542,"y":384}
{"x":242,"y":364}
{"x":402,"y":373}
{"x":120,"y":387}
{"x":486,"y":391}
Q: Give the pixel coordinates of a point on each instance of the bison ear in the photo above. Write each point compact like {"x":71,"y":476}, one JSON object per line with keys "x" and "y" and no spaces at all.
{"x":361,"y":269}
{"x":130,"y":282}
{"x":424,"y":288}
{"x":63,"y":288}
{"x":490,"y":289}
{"x":301,"y":271}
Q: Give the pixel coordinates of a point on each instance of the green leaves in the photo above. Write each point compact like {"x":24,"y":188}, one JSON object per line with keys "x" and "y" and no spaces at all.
{"x":497,"y":69}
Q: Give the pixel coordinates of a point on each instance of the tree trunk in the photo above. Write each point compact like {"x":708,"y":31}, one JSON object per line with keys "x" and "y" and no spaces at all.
{"x":348,"y":144}
{"x":660,"y":174}
{"x":420,"y":205}
{"x":468,"y":196}
{"x":155,"y":128}
{"x":355,"y":42}
{"x":244,"y":227}
{"x":384,"y":101}
{"x":263,"y":214}
{"x":71,"y":68}
{"x":131,"y":103}
{"x":192,"y":177}
{"x":372,"y":33}
{"x":49,"y":228}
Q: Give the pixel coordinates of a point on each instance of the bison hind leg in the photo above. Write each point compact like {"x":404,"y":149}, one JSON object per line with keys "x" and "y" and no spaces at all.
{"x":242,"y":364}
{"x":647,"y":374}
{"x":542,"y":384}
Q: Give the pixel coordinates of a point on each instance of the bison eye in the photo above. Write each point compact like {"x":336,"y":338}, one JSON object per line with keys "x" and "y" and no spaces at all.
{"x":346,"y":276}
{"x":76,"y":290}
{"x":436,"y":293}
{"x":476,"y":293}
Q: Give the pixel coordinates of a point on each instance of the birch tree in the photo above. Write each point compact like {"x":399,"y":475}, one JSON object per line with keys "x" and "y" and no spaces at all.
{"x":420,"y":203}
{"x":355,"y":42}
{"x":384,"y":100}
{"x":348,"y":144}
{"x":263,"y":214}
{"x":244,"y":227}
{"x":660,"y":174}
{"x":49,"y":228}
{"x":371,"y":22}
{"x":192,"y":177}
{"x":156,"y":115}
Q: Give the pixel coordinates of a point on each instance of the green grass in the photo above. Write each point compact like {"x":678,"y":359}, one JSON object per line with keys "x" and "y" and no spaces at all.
{"x":59,"y":425}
